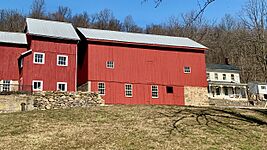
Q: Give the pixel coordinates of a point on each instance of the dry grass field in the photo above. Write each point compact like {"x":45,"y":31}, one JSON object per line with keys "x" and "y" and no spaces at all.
{"x":135,"y":127}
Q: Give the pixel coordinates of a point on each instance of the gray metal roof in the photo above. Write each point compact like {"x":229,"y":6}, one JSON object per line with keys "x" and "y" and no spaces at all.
{"x":139,"y":38}
{"x":12,"y":37}
{"x":54,"y":29}
{"x":222,"y":67}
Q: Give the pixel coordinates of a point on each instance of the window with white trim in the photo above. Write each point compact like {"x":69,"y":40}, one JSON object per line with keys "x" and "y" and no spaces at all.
{"x":37,"y":85}
{"x":224,"y":76}
{"x":62,"y":60}
{"x":232,"y":77}
{"x":62,"y":86}
{"x":208,"y":76}
{"x":39,"y":58}
{"x":216,"y":76}
{"x":263,"y":87}
{"x":155,"y":91}
{"x":110,"y":64}
{"x":101,"y":88}
{"x":6,"y":85}
{"x":187,"y":69}
{"x":128,"y":90}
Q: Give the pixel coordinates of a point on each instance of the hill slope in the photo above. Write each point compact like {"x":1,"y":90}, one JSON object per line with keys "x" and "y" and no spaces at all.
{"x":135,"y":127}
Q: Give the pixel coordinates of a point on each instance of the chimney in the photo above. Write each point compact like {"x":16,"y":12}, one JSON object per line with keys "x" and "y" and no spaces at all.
{"x":226,"y":60}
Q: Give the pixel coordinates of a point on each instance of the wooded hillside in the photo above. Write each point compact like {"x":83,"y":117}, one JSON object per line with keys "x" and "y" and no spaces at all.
{"x":240,"y":39}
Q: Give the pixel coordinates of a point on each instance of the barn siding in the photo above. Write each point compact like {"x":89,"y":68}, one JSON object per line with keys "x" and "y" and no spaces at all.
{"x":143,"y":67}
{"x":49,"y":72}
{"x":115,"y":94}
{"x":9,"y":55}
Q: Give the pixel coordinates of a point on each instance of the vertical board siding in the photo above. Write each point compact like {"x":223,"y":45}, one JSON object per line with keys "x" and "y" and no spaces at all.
{"x":144,"y":67}
{"x":9,"y":69}
{"x":49,"y":72}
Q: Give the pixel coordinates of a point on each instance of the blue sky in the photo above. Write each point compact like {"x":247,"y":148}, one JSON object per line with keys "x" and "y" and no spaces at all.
{"x":143,"y":14}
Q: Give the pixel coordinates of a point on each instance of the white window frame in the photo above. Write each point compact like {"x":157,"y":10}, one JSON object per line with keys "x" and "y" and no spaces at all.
{"x":110,"y":64}
{"x":224,"y":76}
{"x":101,"y":88}
{"x":187,"y":69}
{"x":67,"y":59}
{"x":42,"y":84}
{"x":128,"y":90}
{"x":64,"y":83}
{"x":232,"y":77}
{"x":216,"y":76}
{"x":38,"y":53}
{"x":6,"y":87}
{"x":208,"y":76}
{"x":153,"y":88}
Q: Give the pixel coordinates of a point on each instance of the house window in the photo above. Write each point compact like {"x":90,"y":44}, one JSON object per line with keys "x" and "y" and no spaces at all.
{"x":263,"y":87}
{"x":232,"y":77}
{"x":101,"y":88}
{"x":187,"y":70}
{"x":128,"y":90}
{"x":208,"y":76}
{"x":37,"y":85}
{"x":155,"y":91}
{"x":39,"y":58}
{"x":62,"y":60}
{"x":6,"y":85}
{"x":216,"y":76}
{"x":110,"y":64}
{"x":169,"y":89}
{"x":62,"y":86}
{"x":224,"y":76}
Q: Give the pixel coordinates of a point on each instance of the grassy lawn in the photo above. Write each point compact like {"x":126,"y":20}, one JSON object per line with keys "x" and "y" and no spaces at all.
{"x":135,"y":127}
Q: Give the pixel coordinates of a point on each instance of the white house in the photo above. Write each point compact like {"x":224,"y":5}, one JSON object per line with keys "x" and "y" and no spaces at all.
{"x":258,"y":90}
{"x":224,"y":82}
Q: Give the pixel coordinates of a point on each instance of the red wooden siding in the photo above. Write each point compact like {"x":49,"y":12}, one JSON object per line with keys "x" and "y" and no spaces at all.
{"x":9,"y":54}
{"x":49,"y":72}
{"x":142,"y":66}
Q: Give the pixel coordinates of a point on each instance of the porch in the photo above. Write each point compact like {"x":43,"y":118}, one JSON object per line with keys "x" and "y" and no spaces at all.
{"x":231,"y":91}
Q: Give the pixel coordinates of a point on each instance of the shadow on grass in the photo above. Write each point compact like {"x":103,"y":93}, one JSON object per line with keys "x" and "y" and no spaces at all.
{"x":212,"y":117}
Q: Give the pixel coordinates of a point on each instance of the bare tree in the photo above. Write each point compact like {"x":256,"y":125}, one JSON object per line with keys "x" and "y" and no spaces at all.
{"x":130,"y":26}
{"x":38,"y":9}
{"x":81,"y":20}
{"x":11,"y":20}
{"x":62,"y":14}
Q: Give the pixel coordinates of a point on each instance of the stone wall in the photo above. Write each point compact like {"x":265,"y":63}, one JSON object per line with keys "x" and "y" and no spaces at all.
{"x":61,"y":100}
{"x":15,"y":102}
{"x":48,"y":100}
{"x":196,"y":96}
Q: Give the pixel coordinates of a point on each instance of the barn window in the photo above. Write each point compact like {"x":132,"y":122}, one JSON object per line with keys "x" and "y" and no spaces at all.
{"x":39,"y":58}
{"x":208,"y":76}
{"x":187,"y":69}
{"x":263,"y":87}
{"x":62,"y":86}
{"x":37,"y":85}
{"x":128,"y":90}
{"x":155,"y":91}
{"x":62,"y":60}
{"x":110,"y":64}
{"x":169,"y":89}
{"x":224,"y":76}
{"x":101,"y":88}
{"x":6,"y":85}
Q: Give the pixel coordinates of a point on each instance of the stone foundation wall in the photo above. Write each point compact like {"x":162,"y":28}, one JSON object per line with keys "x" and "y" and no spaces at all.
{"x":61,"y":100}
{"x":196,"y":96}
{"x":48,"y":100}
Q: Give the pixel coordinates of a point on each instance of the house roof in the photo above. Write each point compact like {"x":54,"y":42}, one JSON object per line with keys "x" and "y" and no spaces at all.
{"x":53,"y":29}
{"x":222,"y":67}
{"x":140,"y":38}
{"x":12,"y":37}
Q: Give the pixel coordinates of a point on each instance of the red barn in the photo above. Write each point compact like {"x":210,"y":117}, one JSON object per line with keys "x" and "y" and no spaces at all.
{"x":12,"y":45}
{"x":131,"y":68}
{"x":51,"y":62}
